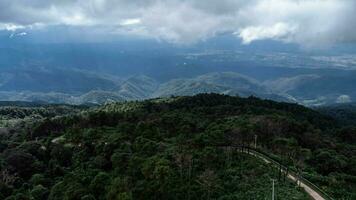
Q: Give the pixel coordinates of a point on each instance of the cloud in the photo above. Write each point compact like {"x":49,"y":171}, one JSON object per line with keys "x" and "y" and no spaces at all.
{"x":17,"y":34}
{"x":10,"y":26}
{"x":306,"y":22}
{"x":21,"y":34}
{"x":129,"y":22}
{"x":343,"y":99}
{"x":279,"y":31}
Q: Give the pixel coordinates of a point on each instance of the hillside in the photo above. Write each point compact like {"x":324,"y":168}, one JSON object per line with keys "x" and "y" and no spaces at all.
{"x":17,"y":114}
{"x":226,"y":82}
{"x":170,"y":148}
{"x":312,"y":89}
{"x":343,"y":113}
{"x":38,"y":79}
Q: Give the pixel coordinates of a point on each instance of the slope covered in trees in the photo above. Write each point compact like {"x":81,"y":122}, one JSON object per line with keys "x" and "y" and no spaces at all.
{"x":171,"y":149}
{"x":18,"y":113}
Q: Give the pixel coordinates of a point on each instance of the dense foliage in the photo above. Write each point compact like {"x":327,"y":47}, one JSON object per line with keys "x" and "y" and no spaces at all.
{"x":18,"y":113}
{"x":172,"y":149}
{"x":345,"y":114}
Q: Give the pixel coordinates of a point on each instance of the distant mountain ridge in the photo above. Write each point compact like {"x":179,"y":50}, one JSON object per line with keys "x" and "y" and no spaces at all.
{"x":312,"y":89}
{"x":81,"y":87}
{"x":140,"y":87}
{"x":55,"y":80}
{"x":224,"y":82}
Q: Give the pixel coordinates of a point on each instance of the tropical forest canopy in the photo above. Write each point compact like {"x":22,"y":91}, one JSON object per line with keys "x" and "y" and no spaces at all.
{"x":173,"y":148}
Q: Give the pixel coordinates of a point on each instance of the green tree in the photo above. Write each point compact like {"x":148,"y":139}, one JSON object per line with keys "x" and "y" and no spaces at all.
{"x":39,"y":192}
{"x":99,"y":184}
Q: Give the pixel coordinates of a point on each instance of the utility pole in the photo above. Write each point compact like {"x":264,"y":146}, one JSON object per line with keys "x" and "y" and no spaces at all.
{"x":272,"y":189}
{"x":255,"y":141}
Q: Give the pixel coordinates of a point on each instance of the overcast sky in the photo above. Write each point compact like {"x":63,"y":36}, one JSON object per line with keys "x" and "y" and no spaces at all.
{"x":306,"y":22}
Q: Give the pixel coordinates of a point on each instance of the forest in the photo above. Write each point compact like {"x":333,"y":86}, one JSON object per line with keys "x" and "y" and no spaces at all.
{"x":171,"y":148}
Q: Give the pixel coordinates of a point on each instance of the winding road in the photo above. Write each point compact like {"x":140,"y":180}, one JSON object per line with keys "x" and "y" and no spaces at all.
{"x":312,"y":193}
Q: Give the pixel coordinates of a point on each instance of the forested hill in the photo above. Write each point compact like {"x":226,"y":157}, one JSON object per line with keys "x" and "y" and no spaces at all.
{"x":168,"y":148}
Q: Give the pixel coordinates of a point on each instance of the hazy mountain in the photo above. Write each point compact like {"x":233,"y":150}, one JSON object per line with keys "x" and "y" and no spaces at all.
{"x":78,"y":86}
{"x":188,"y":87}
{"x":138,"y":87}
{"x":317,"y":89}
{"x":53,"y":80}
{"x":234,"y":80}
{"x":42,"y":66}
{"x":224,"y":83}
{"x":287,"y":84}
{"x":83,"y":87}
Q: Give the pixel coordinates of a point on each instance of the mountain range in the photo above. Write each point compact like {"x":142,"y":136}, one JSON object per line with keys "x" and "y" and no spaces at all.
{"x":81,"y":87}
{"x":55,"y":70}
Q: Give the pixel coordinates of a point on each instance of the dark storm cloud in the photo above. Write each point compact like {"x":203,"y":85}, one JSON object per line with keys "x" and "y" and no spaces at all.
{"x":307,"y":22}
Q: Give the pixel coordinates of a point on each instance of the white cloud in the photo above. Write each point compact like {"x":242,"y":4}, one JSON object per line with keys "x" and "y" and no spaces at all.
{"x":307,"y":22}
{"x":280,"y":31}
{"x":180,"y":22}
{"x":10,"y":26}
{"x":17,"y":34}
{"x":343,"y":99}
{"x":129,"y":22}
{"x":21,"y":34}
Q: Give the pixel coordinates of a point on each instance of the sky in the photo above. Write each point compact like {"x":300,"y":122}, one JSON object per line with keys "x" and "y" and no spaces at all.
{"x":309,"y":23}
